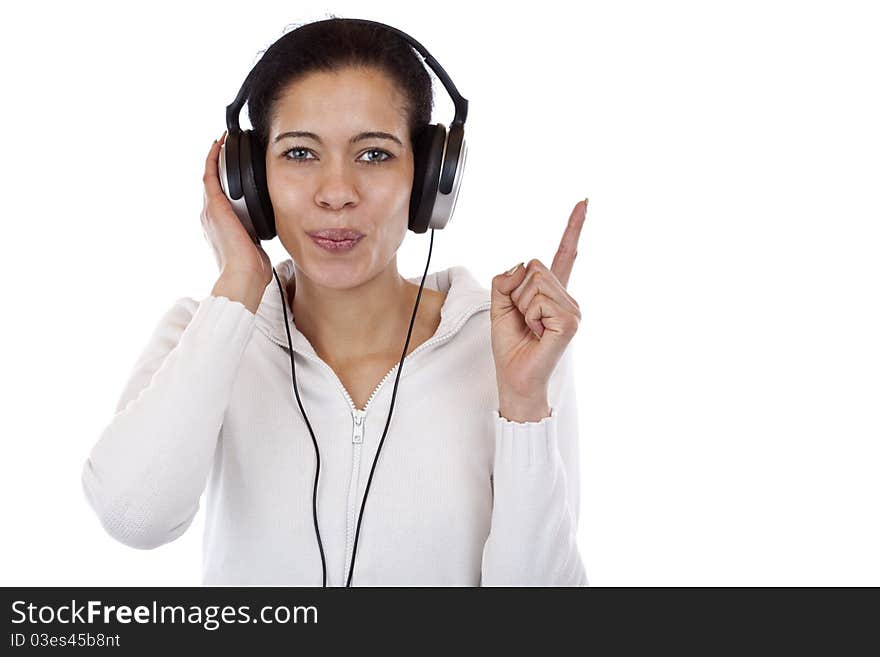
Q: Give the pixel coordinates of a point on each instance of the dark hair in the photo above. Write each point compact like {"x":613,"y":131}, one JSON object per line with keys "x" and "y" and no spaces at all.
{"x":329,"y":46}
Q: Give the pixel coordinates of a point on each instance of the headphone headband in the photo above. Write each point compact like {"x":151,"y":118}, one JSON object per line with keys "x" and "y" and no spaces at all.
{"x":233,"y":110}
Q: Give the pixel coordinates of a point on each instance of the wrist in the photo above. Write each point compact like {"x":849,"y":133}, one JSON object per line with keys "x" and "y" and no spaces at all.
{"x":244,"y":289}
{"x":518,"y":409}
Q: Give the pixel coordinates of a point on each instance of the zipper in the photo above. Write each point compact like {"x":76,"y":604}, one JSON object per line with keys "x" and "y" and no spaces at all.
{"x":357,"y":436}
{"x":359,"y":417}
{"x":357,"y":439}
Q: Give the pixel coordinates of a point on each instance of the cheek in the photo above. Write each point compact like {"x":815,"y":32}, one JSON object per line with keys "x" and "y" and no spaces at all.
{"x":392,"y":198}
{"x":285,"y":186}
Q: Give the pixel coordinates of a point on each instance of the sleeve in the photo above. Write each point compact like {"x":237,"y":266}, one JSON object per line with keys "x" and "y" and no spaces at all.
{"x":536,"y":489}
{"x":146,"y":473}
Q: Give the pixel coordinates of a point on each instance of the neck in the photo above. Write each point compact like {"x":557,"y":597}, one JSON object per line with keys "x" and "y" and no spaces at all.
{"x":368,"y":319}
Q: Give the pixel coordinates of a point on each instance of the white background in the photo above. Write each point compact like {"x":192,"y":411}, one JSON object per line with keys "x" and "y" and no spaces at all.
{"x":727,"y":273}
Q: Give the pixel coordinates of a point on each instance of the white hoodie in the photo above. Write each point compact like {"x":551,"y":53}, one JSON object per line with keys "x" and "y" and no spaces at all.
{"x":460,"y":495}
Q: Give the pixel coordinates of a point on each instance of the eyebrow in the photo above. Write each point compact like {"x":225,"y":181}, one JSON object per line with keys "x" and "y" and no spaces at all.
{"x":359,"y":137}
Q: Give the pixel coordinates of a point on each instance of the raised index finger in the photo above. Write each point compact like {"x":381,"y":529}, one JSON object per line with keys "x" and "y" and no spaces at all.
{"x":563,"y":261}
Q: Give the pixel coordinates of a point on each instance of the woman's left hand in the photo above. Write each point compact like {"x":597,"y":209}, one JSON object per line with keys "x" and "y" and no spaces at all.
{"x":533,"y":320}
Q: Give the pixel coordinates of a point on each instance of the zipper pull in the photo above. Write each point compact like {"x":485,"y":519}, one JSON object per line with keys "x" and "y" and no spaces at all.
{"x":358,"y":434}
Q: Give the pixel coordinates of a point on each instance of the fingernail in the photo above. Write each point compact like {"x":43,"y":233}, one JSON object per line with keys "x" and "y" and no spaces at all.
{"x":511,"y":271}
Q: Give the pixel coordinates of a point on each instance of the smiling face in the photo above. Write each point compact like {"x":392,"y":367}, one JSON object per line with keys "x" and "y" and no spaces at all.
{"x":339,"y":177}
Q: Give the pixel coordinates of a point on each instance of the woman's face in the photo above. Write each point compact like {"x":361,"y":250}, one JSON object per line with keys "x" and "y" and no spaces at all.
{"x":338,"y":177}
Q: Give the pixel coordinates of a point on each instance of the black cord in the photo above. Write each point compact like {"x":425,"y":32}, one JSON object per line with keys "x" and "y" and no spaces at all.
{"x":387,"y":422}
{"x":315,"y":442}
{"x":390,"y":410}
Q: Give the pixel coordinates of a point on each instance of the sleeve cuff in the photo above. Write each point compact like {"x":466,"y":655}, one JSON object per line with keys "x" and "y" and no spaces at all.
{"x":222,"y":315}
{"x":524,"y":444}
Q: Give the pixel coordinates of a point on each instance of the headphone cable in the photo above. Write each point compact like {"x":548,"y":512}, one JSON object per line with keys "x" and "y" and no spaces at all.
{"x":387,"y":422}
{"x":315,"y":442}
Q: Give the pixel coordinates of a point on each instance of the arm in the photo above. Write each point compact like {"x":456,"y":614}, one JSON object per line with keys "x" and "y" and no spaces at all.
{"x":536,"y":486}
{"x":145,"y":475}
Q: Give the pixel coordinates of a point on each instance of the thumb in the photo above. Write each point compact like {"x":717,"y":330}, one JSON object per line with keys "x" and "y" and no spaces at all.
{"x":504,"y":284}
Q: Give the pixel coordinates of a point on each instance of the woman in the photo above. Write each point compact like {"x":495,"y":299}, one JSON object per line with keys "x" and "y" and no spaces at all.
{"x":478,"y":480}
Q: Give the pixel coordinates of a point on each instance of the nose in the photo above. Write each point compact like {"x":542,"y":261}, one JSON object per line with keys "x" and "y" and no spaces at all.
{"x":337,"y":187}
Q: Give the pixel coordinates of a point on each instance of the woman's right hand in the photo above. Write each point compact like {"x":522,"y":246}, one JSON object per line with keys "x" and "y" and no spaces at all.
{"x":236,"y":253}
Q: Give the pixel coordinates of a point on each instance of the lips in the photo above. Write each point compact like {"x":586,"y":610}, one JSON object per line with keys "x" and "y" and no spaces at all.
{"x":336,"y":234}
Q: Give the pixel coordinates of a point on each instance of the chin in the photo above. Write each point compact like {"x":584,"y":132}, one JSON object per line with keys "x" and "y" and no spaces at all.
{"x":333,"y":275}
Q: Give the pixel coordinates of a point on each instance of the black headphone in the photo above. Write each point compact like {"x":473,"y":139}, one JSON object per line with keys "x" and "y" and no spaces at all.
{"x":439,"y":155}
{"x":438,"y":168}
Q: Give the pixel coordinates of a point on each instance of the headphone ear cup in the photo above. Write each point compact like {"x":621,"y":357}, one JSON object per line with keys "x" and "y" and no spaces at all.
{"x":256,"y":190}
{"x":453,"y":158}
{"x":231,"y":180}
{"x":428,"y":157}
{"x":230,"y":176}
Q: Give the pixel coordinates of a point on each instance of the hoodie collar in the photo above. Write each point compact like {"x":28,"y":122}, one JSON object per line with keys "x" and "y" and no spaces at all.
{"x":466,"y":296}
